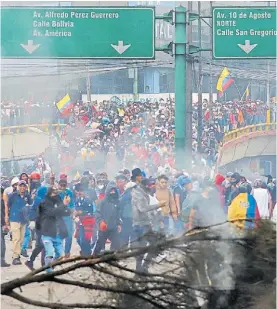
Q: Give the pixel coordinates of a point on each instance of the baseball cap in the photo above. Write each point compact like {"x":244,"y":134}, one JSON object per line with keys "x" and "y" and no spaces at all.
{"x":22,"y":183}
{"x":63,"y":182}
{"x":63,"y":176}
{"x":14,"y":181}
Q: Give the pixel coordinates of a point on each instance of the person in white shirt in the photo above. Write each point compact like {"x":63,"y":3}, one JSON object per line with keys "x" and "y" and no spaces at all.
{"x":7,"y":191}
{"x":263,"y":198}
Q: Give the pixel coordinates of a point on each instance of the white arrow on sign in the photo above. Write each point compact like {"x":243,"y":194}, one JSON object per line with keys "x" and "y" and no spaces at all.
{"x":247,"y":47}
{"x":30,"y":47}
{"x":120,"y":48}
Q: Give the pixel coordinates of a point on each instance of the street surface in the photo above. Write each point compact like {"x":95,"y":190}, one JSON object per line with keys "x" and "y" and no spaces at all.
{"x":42,"y":291}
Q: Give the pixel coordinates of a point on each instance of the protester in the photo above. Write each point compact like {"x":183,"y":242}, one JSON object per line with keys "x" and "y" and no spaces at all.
{"x":126,"y":214}
{"x":85,"y":221}
{"x":103,"y":139}
{"x":142,"y":217}
{"x":263,"y":198}
{"x":108,"y":219}
{"x":7,"y":191}
{"x":163,"y":194}
{"x":63,"y":192}
{"x":4,"y":231}
{"x":18,"y":203}
{"x":51,"y":225}
{"x":243,"y":211}
{"x":205,"y":210}
{"x":39,"y":248}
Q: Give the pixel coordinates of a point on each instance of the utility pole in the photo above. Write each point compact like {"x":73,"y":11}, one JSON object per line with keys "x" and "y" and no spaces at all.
{"x":268,"y":84}
{"x":211,"y":56}
{"x":183,"y":80}
{"x":180,"y":86}
{"x":189,"y":77}
{"x":135,"y":84}
{"x":88,"y":84}
{"x":268,"y":79}
{"x":200,"y":81}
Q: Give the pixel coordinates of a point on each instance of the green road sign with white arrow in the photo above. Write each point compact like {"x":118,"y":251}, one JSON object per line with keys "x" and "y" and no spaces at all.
{"x":244,"y":32}
{"x":84,"y":32}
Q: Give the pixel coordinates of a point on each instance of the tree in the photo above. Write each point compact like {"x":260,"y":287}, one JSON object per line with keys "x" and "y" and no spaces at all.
{"x":210,"y":266}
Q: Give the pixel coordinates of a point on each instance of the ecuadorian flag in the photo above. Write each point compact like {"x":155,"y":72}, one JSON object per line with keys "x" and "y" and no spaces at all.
{"x":64,"y":105}
{"x":243,"y":211}
{"x":224,"y":81}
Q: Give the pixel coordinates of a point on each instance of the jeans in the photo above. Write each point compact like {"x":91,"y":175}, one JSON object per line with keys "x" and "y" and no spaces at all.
{"x":112,"y":235}
{"x":144,"y":236}
{"x":53,"y":247}
{"x":39,"y":248}
{"x":84,"y":244}
{"x":68,"y":240}
{"x":127,"y":232}
{"x":27,"y":238}
{"x":179,"y":226}
{"x":166,"y":225}
{"x":3,"y":246}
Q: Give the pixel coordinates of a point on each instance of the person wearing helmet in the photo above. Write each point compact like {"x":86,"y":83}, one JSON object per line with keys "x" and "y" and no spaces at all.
{"x":7,"y":191}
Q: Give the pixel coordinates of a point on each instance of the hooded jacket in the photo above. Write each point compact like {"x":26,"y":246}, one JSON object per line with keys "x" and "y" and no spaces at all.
{"x":142,"y":211}
{"x":125,"y":201}
{"x":50,"y":217}
{"x":42,"y":191}
{"x":108,"y":208}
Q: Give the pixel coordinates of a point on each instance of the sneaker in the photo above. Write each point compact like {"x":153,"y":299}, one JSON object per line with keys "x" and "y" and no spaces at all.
{"x":16,"y":261}
{"x":122,"y":264}
{"x":160,"y":258}
{"x":4,"y":264}
{"x":24,"y":253}
{"x":30,"y":265}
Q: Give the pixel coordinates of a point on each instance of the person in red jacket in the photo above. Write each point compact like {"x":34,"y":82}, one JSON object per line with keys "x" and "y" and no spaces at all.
{"x":218,"y":183}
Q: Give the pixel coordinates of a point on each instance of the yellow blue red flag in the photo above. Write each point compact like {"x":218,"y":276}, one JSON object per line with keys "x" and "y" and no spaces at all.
{"x":224,"y":81}
{"x":64,"y":105}
{"x":243,"y":211}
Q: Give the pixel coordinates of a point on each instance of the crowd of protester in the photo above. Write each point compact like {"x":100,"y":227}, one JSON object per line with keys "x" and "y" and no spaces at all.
{"x":110,"y":203}
{"x":124,"y":210}
{"x":105,"y":134}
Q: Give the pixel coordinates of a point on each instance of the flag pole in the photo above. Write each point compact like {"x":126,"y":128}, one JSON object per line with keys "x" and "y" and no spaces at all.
{"x":237,"y":89}
{"x":245,"y":91}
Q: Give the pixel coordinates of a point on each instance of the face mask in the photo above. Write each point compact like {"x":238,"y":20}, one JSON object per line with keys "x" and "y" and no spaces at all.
{"x":100,"y":186}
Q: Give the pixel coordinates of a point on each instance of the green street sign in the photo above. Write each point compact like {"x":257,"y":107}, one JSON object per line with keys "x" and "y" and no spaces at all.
{"x":72,"y":32}
{"x":244,"y":32}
